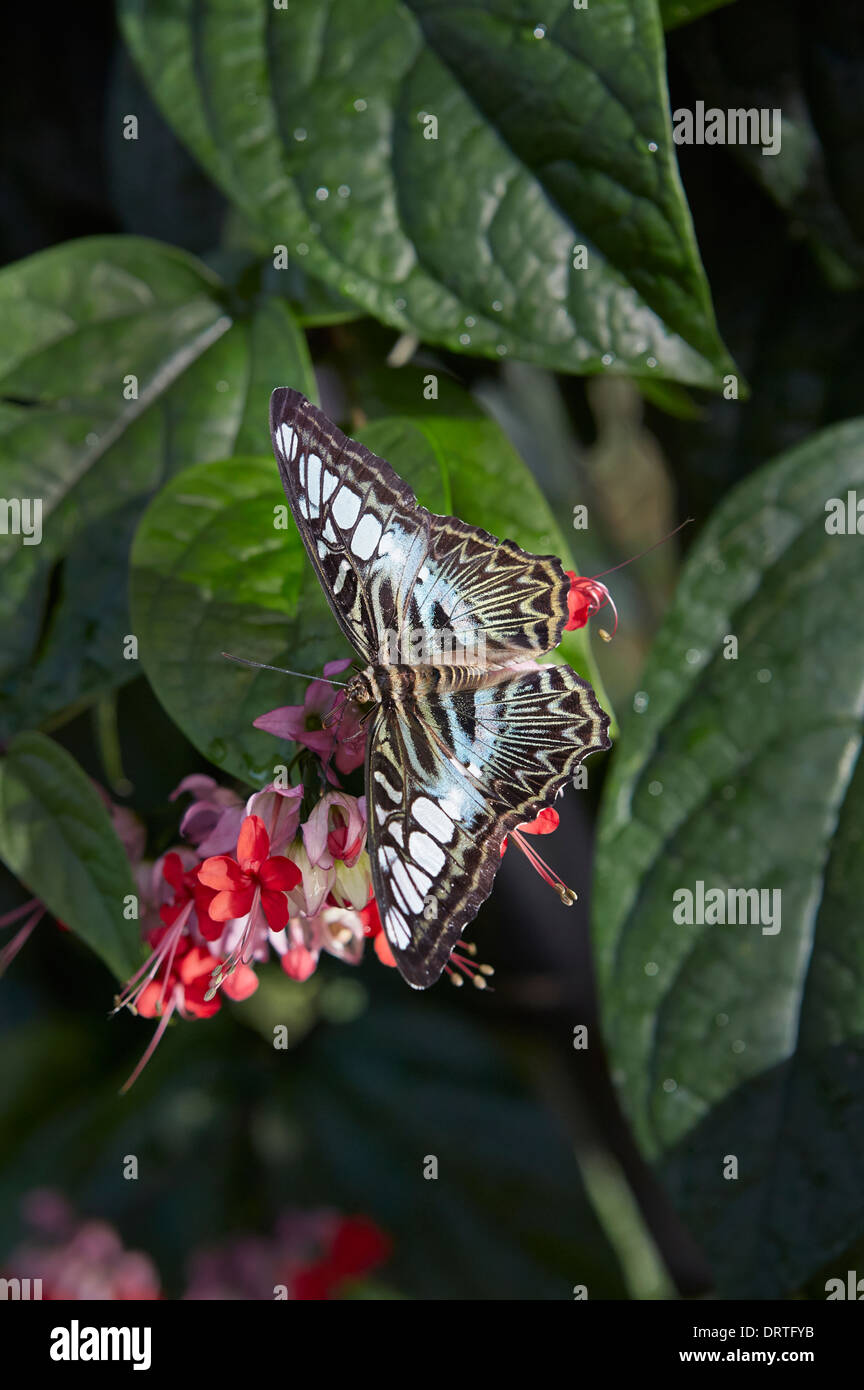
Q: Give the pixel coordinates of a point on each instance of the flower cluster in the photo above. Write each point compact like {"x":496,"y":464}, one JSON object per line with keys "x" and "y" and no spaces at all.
{"x":285,"y":875}
{"x":78,"y":1260}
{"x":312,"y":1255}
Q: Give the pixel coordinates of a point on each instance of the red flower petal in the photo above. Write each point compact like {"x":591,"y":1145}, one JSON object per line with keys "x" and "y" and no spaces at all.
{"x":358,"y":1247}
{"x":312,"y":1284}
{"x":222,"y":873}
{"x":545,"y":823}
{"x":148,"y":999}
{"x":371,"y":919}
{"x":298,"y":963}
{"x":276,"y":909}
{"x":382,"y":950}
{"x":240,"y":983}
{"x":195,"y":963}
{"x":195,"y":1003}
{"x":172,"y":871}
{"x":231,"y":904}
{"x":279,"y":872}
{"x":253,"y":845}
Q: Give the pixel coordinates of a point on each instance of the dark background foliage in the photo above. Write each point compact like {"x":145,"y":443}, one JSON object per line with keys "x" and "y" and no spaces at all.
{"x":228,"y":1131}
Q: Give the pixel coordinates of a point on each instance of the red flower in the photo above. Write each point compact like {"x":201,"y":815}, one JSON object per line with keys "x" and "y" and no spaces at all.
{"x":238,"y":881}
{"x":178,"y":977}
{"x":358,"y":1246}
{"x":189,"y":972}
{"x":586,"y":597}
{"x":187,"y":888}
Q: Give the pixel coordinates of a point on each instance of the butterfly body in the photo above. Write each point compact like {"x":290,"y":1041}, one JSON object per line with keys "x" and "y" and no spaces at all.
{"x":390,"y":686}
{"x":468,"y":736}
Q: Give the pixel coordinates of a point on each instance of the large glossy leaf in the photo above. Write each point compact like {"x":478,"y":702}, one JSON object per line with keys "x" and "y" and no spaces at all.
{"x":211,"y":573}
{"x":734,"y":1040}
{"x":552,"y":133}
{"x":56,"y":836}
{"x":77,"y":324}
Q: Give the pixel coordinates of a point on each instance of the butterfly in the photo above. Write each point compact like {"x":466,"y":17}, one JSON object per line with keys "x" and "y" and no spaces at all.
{"x":467,"y":737}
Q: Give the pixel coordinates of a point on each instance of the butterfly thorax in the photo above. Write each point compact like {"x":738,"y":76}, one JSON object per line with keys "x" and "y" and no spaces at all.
{"x":389,"y":686}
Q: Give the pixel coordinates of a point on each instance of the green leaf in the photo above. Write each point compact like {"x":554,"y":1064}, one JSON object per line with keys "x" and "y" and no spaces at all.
{"x":315,"y":122}
{"x":674,"y":13}
{"x":811,"y":73}
{"x":745,"y":774}
{"x":211,"y":573}
{"x":56,"y":836}
{"x":83,"y":327}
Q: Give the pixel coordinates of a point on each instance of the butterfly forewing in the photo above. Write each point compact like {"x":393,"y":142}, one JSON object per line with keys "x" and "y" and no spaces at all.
{"x":361,"y":525}
{"x":447,"y":778}
{"x":393,"y":570}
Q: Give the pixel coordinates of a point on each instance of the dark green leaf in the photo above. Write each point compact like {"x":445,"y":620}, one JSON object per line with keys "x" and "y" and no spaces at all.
{"x":807,"y":64}
{"x":403,"y":1086}
{"x":677,"y":12}
{"x":211,"y":573}
{"x":77,"y":323}
{"x":56,"y":836}
{"x":744,"y":774}
{"x":550,"y":136}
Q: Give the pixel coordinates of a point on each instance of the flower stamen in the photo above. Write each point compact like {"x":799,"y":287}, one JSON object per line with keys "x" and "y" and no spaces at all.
{"x":567,"y":895}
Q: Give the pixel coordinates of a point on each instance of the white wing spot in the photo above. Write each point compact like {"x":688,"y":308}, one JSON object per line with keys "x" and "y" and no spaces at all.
{"x":329,"y":533}
{"x":412,"y":898}
{"x":346,"y":506}
{"x":330,"y":481}
{"x":382,"y":780}
{"x":397,"y":928}
{"x":366,"y":536}
{"x":433,"y":819}
{"x":344,"y":568}
{"x":286,"y":439}
{"x":421,"y":881}
{"x":396,"y":831}
{"x":425,"y":852}
{"x":313,"y":479}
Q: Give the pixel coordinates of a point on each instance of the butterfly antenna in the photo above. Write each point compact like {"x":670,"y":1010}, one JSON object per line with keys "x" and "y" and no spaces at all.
{"x":283,"y":670}
{"x":646,"y":551}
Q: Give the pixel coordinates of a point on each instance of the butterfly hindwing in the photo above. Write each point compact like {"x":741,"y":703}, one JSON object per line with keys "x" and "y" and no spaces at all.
{"x":447,"y":779}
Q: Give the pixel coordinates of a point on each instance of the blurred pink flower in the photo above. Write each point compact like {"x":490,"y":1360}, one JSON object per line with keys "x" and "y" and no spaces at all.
{"x":309,"y":1256}
{"x":78,"y":1260}
{"x":212,"y":820}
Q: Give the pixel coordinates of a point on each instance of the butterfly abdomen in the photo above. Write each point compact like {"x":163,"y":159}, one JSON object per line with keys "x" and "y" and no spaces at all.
{"x":399,"y":685}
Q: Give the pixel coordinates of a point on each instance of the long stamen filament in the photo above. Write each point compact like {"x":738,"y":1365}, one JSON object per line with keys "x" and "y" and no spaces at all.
{"x":567,"y":895}
{"x":151,"y":1047}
